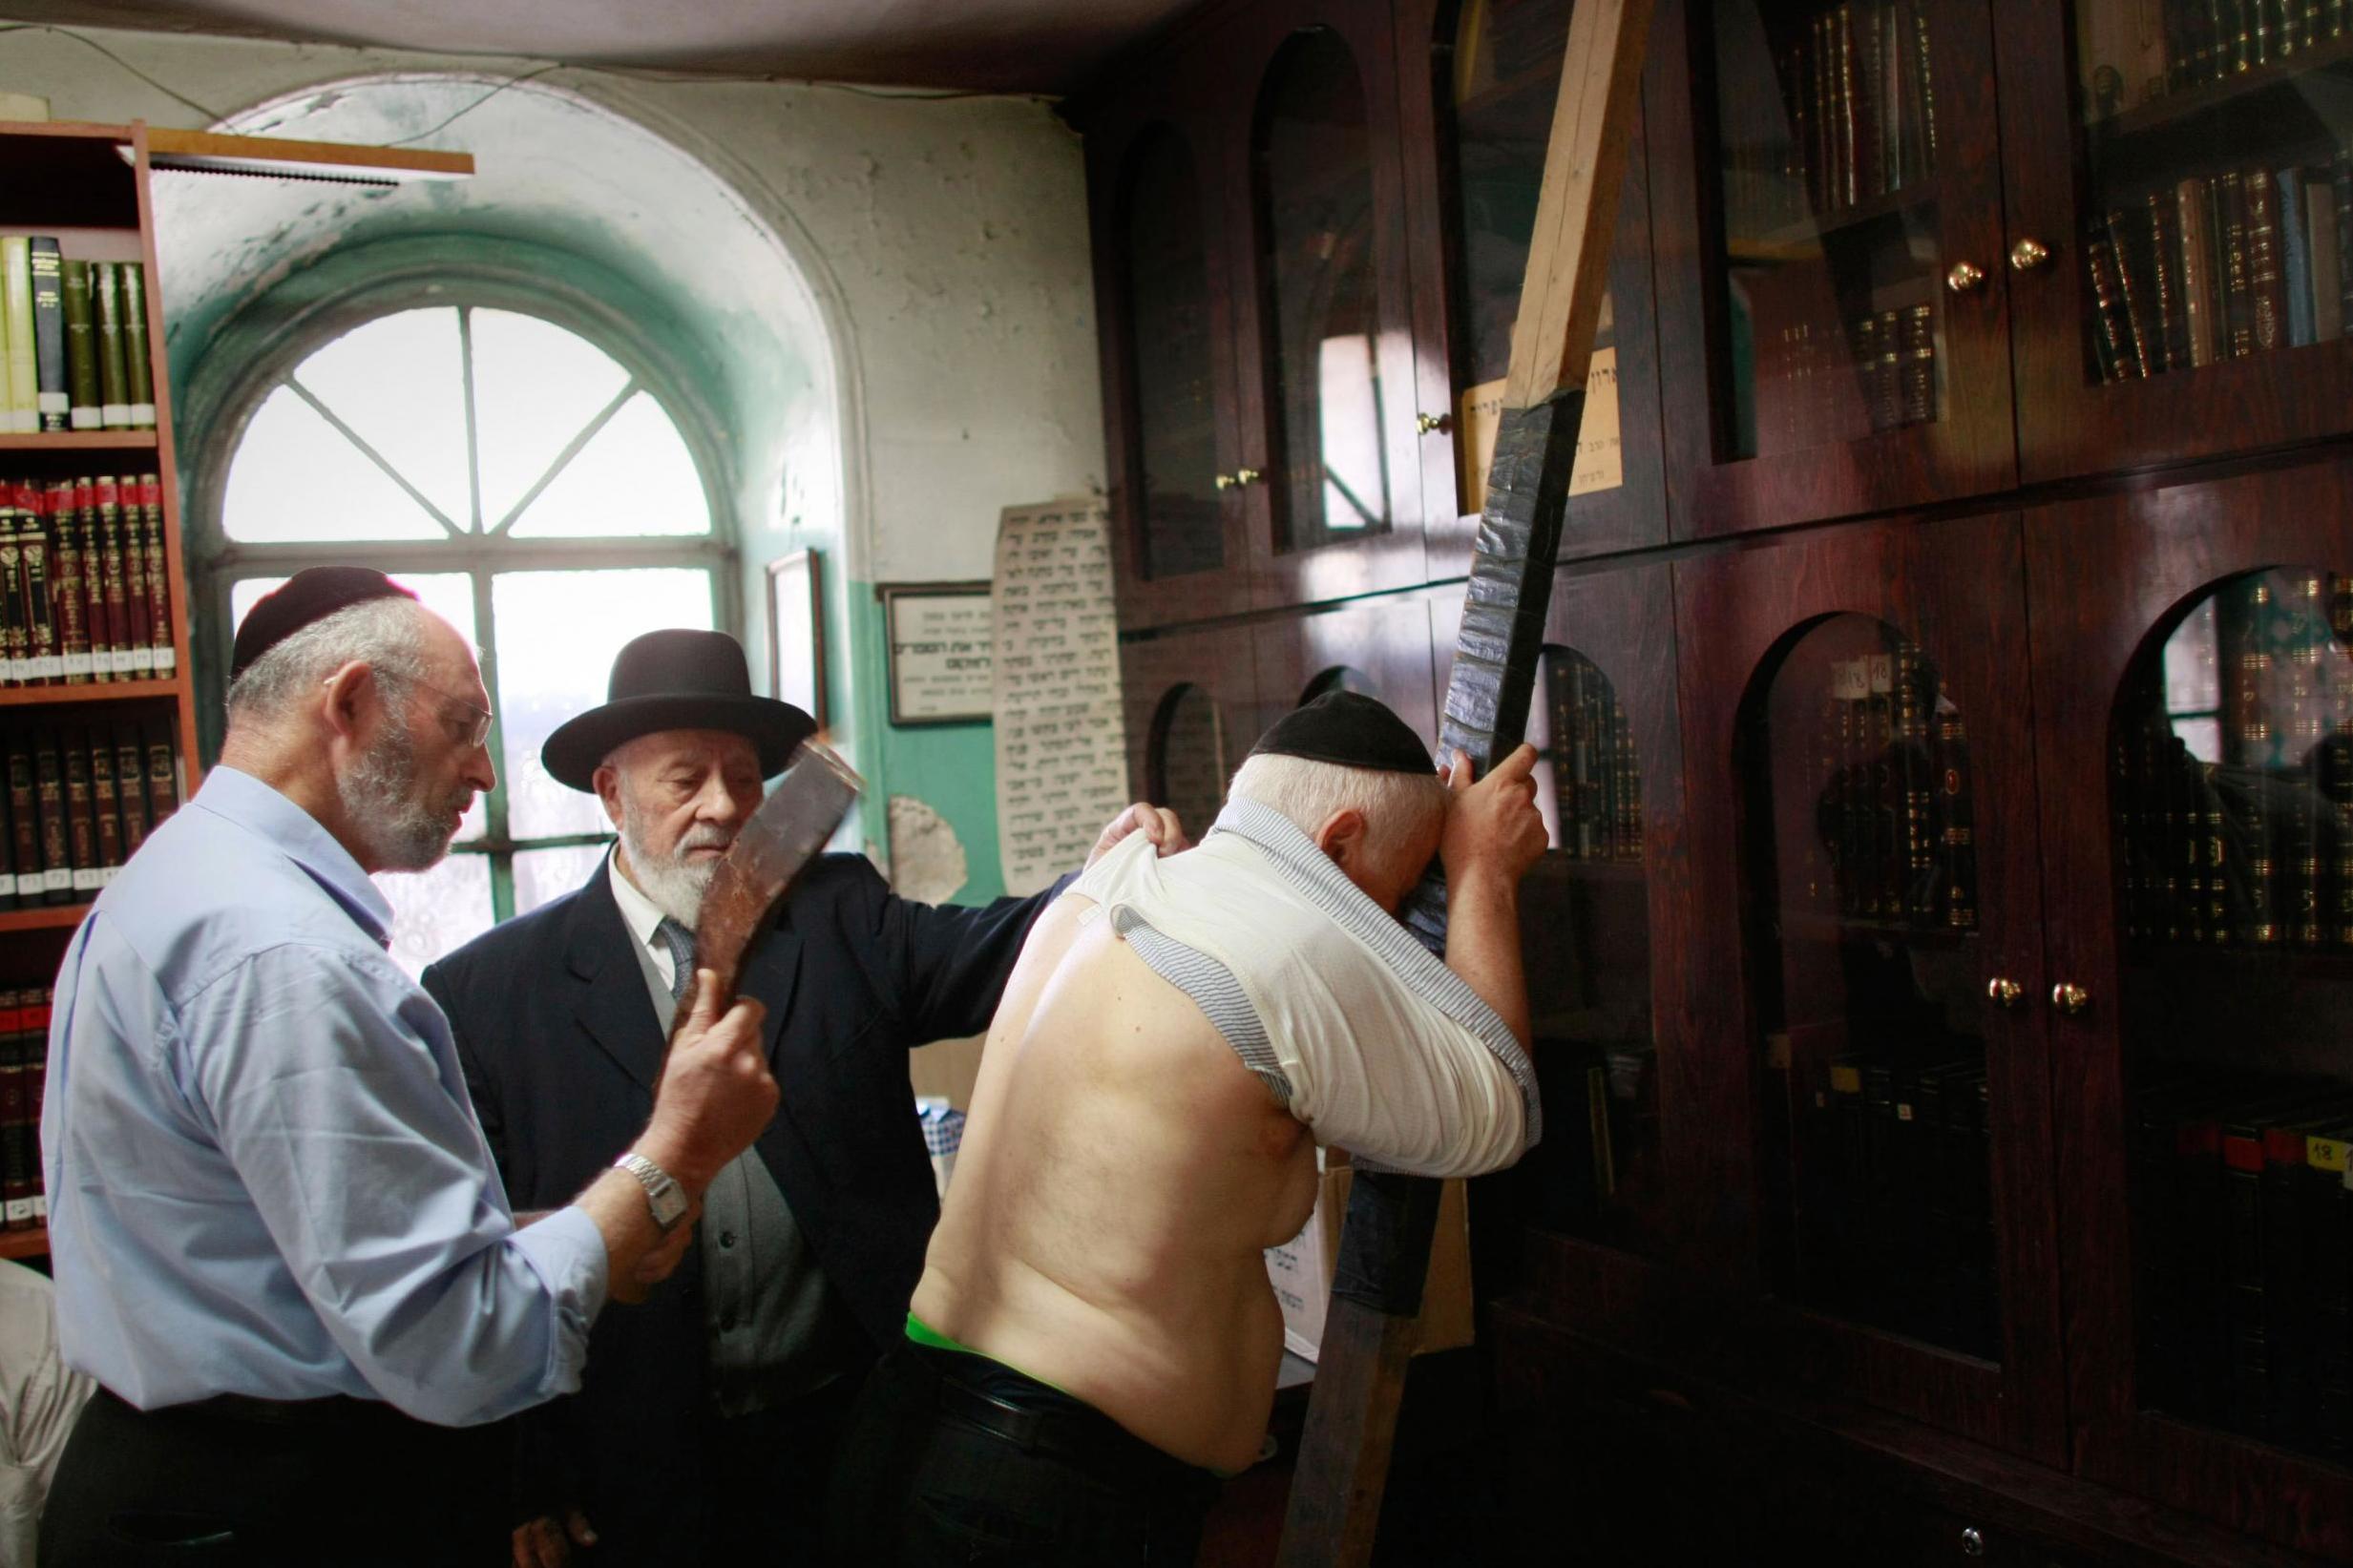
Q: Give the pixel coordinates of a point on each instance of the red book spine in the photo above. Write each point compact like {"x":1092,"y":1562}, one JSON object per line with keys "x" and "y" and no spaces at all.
{"x":14,"y":641}
{"x":159,"y":575}
{"x":65,"y":585}
{"x":37,"y":1006}
{"x":138,"y":633}
{"x":94,"y":582}
{"x":114,"y":592}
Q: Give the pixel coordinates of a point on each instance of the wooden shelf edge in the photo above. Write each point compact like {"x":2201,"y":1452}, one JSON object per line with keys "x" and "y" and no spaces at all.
{"x":101,"y":691}
{"x":212,"y":152}
{"x":81,"y":441}
{"x":24,"y":1244}
{"x":75,"y":130}
{"x":46,"y":917}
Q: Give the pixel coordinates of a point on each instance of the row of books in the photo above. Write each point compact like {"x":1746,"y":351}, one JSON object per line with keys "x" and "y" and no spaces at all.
{"x":2222,"y":268}
{"x":75,"y":336}
{"x":85,"y":582}
{"x":81,"y":800}
{"x":1895,"y":840}
{"x":1895,"y":1221}
{"x":2244,"y":1254}
{"x":1596,"y":772}
{"x":24,"y":1071}
{"x":2251,"y":844}
{"x":1816,"y":385}
{"x":1858,"y":105}
{"x":2128,"y":61}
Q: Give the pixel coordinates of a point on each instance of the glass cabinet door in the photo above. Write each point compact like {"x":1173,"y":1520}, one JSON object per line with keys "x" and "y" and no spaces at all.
{"x":2194,"y":690}
{"x":1866,"y":938}
{"x":1480,"y":79}
{"x":1190,"y":698}
{"x":1168,"y":372}
{"x":1844,"y":323}
{"x":2182,"y":192}
{"x":1381,"y":649}
{"x":1331,"y":472}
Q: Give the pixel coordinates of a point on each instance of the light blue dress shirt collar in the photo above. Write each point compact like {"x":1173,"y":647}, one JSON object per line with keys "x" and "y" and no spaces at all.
{"x":247,"y":802}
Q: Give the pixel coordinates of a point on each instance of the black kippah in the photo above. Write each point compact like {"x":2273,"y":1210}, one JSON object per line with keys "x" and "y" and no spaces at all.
{"x":309,"y":595}
{"x":1350,"y":729}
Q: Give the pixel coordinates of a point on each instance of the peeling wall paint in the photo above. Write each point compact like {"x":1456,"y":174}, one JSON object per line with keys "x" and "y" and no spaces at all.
{"x":892,"y":293}
{"x":927,"y":861}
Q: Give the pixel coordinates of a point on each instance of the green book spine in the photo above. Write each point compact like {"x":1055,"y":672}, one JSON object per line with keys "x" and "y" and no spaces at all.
{"x":24,"y":365}
{"x":138,"y":370}
{"x":81,"y":349}
{"x":113,"y":378}
{"x":49,"y":334}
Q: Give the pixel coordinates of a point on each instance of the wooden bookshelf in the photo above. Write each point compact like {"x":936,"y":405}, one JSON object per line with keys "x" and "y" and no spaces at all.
{"x":25,"y":1243}
{"x":47,"y":917}
{"x":98,"y":691}
{"x":57,"y":441}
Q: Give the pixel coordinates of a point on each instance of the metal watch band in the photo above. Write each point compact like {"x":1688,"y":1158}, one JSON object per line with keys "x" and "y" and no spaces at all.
{"x":664,"y":1199}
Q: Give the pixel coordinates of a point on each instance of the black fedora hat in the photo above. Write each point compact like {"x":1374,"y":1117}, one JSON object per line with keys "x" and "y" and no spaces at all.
{"x":677,"y":680}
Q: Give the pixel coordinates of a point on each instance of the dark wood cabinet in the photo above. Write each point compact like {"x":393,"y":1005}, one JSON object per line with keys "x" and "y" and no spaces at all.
{"x":1381,"y":649}
{"x":1191,"y":701}
{"x":2174,"y":209}
{"x":2193,"y":698}
{"x":1833,"y":313}
{"x":1944,"y":960}
{"x":1852,"y":702}
{"x":1475,"y":89}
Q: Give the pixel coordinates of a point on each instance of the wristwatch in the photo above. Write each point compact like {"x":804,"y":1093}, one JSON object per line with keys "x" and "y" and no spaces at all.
{"x":664,"y":1197}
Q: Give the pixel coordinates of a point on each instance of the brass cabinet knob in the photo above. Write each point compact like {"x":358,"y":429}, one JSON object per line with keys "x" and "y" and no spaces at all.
{"x":2028,"y":254}
{"x":1972,"y":1542}
{"x":1963,"y":277}
{"x":1426,"y":423}
{"x":1247,"y":476}
{"x":2070,"y":998}
{"x":2003,"y":992}
{"x":1227,"y":481}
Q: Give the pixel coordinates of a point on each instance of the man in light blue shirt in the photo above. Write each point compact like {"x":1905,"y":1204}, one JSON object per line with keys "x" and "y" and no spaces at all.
{"x":279,"y":1244}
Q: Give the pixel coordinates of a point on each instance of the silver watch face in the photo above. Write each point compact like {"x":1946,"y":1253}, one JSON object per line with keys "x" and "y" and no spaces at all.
{"x":664,"y":1199}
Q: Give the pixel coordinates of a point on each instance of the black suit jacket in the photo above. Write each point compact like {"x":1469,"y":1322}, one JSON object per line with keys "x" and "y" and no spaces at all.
{"x":560,"y":1047}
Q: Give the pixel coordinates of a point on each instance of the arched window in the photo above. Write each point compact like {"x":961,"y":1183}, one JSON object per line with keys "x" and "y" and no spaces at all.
{"x":537,"y":481}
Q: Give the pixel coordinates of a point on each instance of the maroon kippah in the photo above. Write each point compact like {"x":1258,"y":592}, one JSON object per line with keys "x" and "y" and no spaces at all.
{"x":311,"y":594}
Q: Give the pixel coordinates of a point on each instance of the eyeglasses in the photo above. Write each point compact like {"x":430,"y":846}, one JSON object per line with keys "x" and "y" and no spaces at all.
{"x":472,"y":730}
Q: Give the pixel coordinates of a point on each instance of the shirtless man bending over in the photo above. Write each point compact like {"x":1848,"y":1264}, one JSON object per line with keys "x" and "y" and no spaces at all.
{"x":1094,"y":1340}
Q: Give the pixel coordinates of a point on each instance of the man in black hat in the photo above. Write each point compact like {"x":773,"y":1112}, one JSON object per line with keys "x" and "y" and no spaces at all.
{"x":704,"y":1433}
{"x":280,"y":1245}
{"x":1095,"y":1339}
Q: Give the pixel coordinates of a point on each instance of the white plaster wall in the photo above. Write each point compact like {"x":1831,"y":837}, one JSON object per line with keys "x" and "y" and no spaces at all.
{"x":946,"y":239}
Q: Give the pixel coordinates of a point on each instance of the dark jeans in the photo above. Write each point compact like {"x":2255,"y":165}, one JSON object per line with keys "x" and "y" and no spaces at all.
{"x":955,"y":1458}
{"x":239,"y":1483}
{"x":764,"y":1478}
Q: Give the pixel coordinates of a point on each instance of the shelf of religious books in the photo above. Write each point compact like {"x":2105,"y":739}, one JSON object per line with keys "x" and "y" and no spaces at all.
{"x":1824,"y":164}
{"x":2185,"y":249}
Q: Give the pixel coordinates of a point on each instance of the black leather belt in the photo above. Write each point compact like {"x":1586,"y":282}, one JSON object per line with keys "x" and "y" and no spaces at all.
{"x":1057,"y":1423}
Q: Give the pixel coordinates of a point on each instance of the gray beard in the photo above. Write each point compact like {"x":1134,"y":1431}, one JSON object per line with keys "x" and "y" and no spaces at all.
{"x":379,"y":797}
{"x":671,"y":884}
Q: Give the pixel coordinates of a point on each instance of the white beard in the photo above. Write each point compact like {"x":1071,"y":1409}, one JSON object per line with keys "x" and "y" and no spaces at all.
{"x":671,"y":883}
{"x":379,"y":795}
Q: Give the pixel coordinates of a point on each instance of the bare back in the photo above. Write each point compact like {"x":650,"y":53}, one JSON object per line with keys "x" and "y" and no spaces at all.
{"x":1119,"y":1179}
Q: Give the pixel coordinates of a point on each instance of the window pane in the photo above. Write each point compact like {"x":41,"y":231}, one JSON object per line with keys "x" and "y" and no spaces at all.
{"x":536,"y":387}
{"x":449,"y":595}
{"x":557,"y":633}
{"x":541,"y":876}
{"x":436,"y":913}
{"x":635,"y":477}
{"x":398,"y":382}
{"x":295,"y":477}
